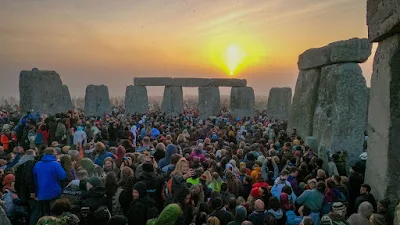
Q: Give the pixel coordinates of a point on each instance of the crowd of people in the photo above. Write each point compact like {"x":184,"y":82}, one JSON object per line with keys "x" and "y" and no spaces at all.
{"x":158,"y":170}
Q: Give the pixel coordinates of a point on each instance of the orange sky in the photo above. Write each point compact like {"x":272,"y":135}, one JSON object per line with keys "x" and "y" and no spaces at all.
{"x":110,"y":42}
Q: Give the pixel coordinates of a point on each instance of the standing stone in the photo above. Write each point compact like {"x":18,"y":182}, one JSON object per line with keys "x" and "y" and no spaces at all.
{"x":42,"y":91}
{"x":383,"y":18}
{"x":383,"y":163}
{"x":279,"y":101}
{"x":304,"y":101}
{"x":66,"y":99}
{"x":136,"y":100}
{"x":97,"y":100}
{"x":339,"y":116}
{"x":172,"y":103}
{"x":242,"y":101}
{"x":209,"y":101}
{"x":312,"y":142}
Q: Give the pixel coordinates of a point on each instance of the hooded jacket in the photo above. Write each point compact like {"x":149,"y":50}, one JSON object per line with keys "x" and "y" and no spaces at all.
{"x":168,"y":216}
{"x":48,"y":175}
{"x":171,"y":149}
{"x":24,"y":183}
{"x":139,"y":209}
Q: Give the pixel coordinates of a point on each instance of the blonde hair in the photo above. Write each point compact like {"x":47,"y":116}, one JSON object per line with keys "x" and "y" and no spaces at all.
{"x":179,"y":166}
{"x":213,"y":220}
{"x":181,"y":138}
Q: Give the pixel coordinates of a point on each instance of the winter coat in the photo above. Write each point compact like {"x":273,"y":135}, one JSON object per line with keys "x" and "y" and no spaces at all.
{"x":312,"y":198}
{"x":48,"y":175}
{"x":257,"y":218}
{"x":333,"y":219}
{"x":224,"y":216}
{"x":171,"y":149}
{"x":100,"y":159}
{"x":154,"y":185}
{"x":138,"y":211}
{"x":24,"y":182}
{"x":168,"y":216}
{"x":364,"y":198}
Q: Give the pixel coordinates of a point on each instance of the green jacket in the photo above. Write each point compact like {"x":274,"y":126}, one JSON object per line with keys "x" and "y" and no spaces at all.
{"x":168,"y":216}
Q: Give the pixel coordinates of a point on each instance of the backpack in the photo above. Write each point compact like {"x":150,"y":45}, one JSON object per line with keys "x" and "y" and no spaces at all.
{"x":167,"y":190}
{"x":152,"y":213}
{"x":39,"y":138}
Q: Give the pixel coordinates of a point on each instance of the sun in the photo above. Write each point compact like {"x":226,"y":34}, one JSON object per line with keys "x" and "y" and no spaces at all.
{"x":234,"y":55}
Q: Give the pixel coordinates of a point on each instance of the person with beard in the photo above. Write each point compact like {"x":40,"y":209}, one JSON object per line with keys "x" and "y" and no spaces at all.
{"x":153,"y":181}
{"x":139,"y":211}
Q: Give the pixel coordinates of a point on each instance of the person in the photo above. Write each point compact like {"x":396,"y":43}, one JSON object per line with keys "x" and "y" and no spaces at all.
{"x":80,"y":137}
{"x":179,"y":176}
{"x":240,"y":215}
{"x":168,"y":216}
{"x":292,"y":179}
{"x":337,"y":216}
{"x":365,"y":195}
{"x":118,"y":220}
{"x":365,"y":211}
{"x":274,"y":208}
{"x":145,"y":145}
{"x":25,"y":184}
{"x":217,"y":206}
{"x":100,"y":148}
{"x":314,"y":199}
{"x":48,"y":175}
{"x":383,"y":209}
{"x":95,"y":199}
{"x":138,"y":212}
{"x":171,"y":150}
{"x":377,"y":219}
{"x":257,"y":217}
{"x":8,"y":138}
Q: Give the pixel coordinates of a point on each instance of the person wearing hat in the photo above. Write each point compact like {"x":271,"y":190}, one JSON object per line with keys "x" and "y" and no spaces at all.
{"x":337,"y":216}
{"x":139,"y":211}
{"x":240,"y":215}
{"x":95,"y":198}
{"x":217,"y":206}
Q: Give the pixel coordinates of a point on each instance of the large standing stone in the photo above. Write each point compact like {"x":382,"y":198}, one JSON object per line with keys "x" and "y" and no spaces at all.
{"x":279,"y":101}
{"x":136,"y":100}
{"x":172,"y":103}
{"x":242,"y":101}
{"x":42,"y":91}
{"x":66,"y":99}
{"x":383,"y":18}
{"x":97,"y":100}
{"x":209,"y":101}
{"x":383,"y":164}
{"x":352,"y":50}
{"x":339,"y":116}
{"x":304,"y":101}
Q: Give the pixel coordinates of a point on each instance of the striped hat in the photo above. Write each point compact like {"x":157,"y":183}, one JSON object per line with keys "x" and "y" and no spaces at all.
{"x":338,"y":207}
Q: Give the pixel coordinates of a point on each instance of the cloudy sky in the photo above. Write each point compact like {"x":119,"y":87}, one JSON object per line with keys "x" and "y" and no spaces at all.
{"x":110,"y":42}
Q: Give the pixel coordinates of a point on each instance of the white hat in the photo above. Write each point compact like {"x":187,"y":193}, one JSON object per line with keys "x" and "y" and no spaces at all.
{"x":363,"y":156}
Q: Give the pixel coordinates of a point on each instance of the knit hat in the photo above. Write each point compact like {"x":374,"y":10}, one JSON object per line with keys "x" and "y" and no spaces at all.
{"x":240,"y":213}
{"x":339,"y":208}
{"x":95,"y":182}
{"x":141,"y":188}
{"x":147,"y":167}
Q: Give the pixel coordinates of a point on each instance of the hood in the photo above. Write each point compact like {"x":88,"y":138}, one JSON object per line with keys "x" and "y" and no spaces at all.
{"x":168,"y":216}
{"x":233,"y":163}
{"x":80,"y":128}
{"x":48,"y":158}
{"x":141,"y":188}
{"x":25,"y":159}
{"x":171,"y":149}
{"x":97,"y":192}
{"x":277,"y":214}
{"x":87,"y":164}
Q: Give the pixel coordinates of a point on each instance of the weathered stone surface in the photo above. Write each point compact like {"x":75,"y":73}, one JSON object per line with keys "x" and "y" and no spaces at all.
{"x":209,"y":101}
{"x":153,"y":81}
{"x":242,"y":101}
{"x":191,"y":82}
{"x":397,"y":215}
{"x":172,"y":103}
{"x":383,"y":173}
{"x":339,"y":116}
{"x":65,"y":99}
{"x":222,"y":82}
{"x":42,"y":91}
{"x":312,"y":142}
{"x":279,"y":101}
{"x":383,"y":18}
{"x":304,"y":101}
{"x":97,"y":100}
{"x":352,"y":50}
{"x":136,"y":100}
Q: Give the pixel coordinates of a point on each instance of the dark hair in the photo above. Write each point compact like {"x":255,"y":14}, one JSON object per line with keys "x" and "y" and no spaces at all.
{"x":330,"y":183}
{"x":270,"y":219}
{"x":293,"y":169}
{"x":308,"y":221}
{"x":224,"y":186}
{"x":111,"y":184}
{"x":61,"y":206}
{"x":284,"y":173}
{"x":274,"y":203}
{"x":385,"y":203}
{"x":319,"y":162}
{"x":287,"y":189}
{"x":181,"y":196}
{"x":321,"y":187}
{"x":367,"y":187}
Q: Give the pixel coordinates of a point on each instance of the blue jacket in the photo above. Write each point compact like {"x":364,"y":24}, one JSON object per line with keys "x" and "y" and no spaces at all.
{"x":48,"y":174}
{"x":171,"y":149}
{"x":100,"y":159}
{"x":292,"y":218}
